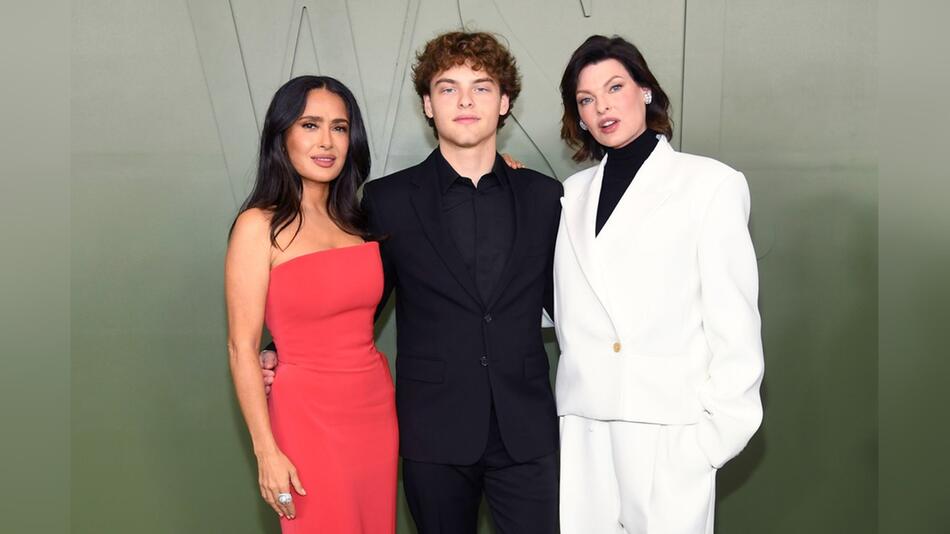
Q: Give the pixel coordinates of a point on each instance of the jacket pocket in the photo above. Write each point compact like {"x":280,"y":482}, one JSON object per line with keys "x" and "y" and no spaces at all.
{"x":419,"y":369}
{"x":690,"y":452}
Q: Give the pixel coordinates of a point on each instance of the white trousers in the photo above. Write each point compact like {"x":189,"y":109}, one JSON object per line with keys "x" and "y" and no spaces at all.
{"x":619,"y":477}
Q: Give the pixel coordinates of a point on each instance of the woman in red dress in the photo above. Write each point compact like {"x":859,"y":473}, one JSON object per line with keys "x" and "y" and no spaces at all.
{"x":300,"y":259}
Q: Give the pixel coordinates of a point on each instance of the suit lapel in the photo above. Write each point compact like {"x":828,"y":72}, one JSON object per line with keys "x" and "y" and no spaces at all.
{"x":516,"y":255}
{"x":649,"y":190}
{"x":580,"y":212}
{"x":427,"y":203}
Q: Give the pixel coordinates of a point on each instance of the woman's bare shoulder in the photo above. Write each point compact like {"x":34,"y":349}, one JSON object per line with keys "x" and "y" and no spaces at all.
{"x":252,"y":228}
{"x":253,"y":221}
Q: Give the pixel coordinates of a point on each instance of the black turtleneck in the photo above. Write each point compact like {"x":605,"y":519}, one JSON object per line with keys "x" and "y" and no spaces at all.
{"x":622,"y":165}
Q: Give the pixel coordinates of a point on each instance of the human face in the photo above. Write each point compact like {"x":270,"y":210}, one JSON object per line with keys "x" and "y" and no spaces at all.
{"x":610,"y":103}
{"x":317,"y":141}
{"x":465,"y":105}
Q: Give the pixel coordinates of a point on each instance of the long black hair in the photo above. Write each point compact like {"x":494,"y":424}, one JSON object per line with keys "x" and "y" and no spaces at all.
{"x":278,"y":186}
{"x":595,"y":49}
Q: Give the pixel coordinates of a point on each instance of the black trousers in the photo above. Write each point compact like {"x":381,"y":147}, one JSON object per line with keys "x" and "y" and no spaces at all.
{"x":522,"y":497}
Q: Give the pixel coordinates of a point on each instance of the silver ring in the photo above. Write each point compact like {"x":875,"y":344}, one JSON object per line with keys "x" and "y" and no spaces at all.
{"x":284,"y":498}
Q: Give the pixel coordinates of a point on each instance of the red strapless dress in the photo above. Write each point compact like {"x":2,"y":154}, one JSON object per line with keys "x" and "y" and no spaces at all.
{"x":332,"y":405}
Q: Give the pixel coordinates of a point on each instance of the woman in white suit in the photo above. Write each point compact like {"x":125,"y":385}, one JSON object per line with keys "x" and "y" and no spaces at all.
{"x":655,"y":309}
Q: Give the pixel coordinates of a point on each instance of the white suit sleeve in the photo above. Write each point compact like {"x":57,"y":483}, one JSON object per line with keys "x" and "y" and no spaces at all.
{"x":731,"y":323}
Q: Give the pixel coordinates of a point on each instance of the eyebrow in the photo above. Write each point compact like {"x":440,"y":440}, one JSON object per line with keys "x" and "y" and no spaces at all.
{"x":451,"y":81}
{"x":320,"y":119}
{"x":605,"y":85}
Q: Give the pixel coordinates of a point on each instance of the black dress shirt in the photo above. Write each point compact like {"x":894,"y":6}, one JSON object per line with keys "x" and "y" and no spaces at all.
{"x":480,"y":220}
{"x":622,"y":165}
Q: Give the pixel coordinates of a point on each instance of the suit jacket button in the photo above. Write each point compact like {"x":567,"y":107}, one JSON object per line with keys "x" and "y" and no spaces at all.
{"x":617,"y":347}
{"x":487,"y":317}
{"x":484,"y":361}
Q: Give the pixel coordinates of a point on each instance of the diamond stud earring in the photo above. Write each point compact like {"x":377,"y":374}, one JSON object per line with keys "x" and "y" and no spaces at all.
{"x":582,"y":125}
{"x":647,"y":97}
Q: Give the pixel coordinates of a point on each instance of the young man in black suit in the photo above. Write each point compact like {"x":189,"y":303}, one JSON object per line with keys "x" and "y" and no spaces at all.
{"x":467,"y":246}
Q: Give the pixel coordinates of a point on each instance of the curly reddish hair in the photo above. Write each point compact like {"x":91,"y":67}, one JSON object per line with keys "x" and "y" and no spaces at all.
{"x":480,"y":51}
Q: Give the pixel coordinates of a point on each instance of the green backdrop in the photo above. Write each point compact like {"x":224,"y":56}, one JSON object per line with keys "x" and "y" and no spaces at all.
{"x":34,"y":269}
{"x":166,"y":98}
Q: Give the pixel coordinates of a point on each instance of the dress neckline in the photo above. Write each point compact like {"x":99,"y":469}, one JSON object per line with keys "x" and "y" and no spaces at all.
{"x":321,"y":251}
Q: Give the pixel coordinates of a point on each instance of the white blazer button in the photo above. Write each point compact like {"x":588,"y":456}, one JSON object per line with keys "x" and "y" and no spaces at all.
{"x":617,"y":347}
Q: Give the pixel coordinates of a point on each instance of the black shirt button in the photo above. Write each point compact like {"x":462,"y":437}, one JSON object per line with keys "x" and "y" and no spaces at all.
{"x":484,"y":361}
{"x":487,"y":317}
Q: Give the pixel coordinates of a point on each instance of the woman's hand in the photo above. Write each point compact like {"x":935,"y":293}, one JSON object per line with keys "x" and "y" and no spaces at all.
{"x":276,"y":474}
{"x":512,"y":162}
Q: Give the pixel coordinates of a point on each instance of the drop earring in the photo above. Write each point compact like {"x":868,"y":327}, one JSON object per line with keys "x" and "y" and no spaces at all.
{"x":582,"y":125}
{"x":647,"y":97}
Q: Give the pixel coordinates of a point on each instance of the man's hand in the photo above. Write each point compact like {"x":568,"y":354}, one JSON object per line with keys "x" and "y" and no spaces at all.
{"x":268,"y":365}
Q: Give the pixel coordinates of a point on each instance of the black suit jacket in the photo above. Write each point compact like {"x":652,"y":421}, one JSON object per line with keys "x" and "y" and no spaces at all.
{"x":455,"y":352}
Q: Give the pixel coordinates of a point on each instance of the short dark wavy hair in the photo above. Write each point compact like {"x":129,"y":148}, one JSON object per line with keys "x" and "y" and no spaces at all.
{"x":481,"y":51}
{"x":595,"y":49}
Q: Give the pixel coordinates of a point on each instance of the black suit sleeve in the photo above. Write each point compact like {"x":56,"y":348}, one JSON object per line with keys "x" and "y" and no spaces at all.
{"x":375,"y":229}
{"x":549,"y":276}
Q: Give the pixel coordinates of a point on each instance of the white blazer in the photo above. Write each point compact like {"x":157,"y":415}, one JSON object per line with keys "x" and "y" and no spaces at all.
{"x":657,"y":317}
